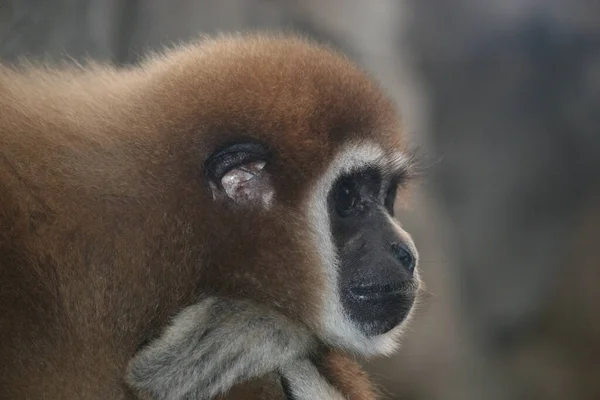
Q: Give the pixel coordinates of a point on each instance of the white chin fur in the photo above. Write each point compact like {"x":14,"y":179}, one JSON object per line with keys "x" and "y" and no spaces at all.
{"x":337,"y":329}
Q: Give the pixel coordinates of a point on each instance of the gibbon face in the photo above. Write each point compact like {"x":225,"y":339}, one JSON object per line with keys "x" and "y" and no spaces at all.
{"x":302,"y":159}
{"x":255,"y":167}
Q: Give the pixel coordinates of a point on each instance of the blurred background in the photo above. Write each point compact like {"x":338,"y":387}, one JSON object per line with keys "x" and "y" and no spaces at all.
{"x":503,"y":96}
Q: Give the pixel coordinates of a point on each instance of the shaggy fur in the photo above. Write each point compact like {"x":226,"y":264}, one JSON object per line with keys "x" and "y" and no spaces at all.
{"x":231,"y":341}
{"x":108,"y":229}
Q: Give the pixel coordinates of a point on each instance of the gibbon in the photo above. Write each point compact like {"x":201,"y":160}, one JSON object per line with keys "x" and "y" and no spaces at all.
{"x":216,"y":222}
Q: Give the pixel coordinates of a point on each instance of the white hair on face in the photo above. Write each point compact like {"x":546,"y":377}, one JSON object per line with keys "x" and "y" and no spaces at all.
{"x":337,"y":327}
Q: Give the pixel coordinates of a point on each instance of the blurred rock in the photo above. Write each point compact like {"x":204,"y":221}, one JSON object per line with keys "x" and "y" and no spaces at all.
{"x":514,"y":116}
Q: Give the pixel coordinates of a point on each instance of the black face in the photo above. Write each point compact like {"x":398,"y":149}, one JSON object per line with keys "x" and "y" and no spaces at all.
{"x":376,"y":265}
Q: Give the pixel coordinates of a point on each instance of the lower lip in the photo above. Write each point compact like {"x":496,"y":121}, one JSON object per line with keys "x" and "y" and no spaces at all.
{"x":375,"y":292}
{"x":378,"y":309}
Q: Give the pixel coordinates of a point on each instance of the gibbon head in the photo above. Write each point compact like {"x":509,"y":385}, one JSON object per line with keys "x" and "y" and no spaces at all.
{"x":210,"y":213}
{"x":290,"y":159}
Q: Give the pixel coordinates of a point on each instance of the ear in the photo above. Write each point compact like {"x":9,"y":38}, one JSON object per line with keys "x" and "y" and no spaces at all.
{"x":238,"y":172}
{"x":213,"y":345}
{"x":248,"y":183}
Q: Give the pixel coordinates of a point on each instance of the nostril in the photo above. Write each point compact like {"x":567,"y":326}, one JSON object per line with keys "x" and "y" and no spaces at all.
{"x":404,"y":255}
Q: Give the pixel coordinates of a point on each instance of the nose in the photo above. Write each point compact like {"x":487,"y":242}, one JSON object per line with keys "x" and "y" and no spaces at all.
{"x":404,"y":255}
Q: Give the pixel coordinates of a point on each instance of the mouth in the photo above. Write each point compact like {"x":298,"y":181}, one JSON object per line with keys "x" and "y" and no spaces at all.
{"x":376,"y":292}
{"x":378,"y":308}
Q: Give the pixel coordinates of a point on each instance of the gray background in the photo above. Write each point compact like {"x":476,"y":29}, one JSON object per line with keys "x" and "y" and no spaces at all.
{"x":504,"y":98}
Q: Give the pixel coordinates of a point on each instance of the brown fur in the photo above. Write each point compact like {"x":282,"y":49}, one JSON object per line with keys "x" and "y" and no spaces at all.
{"x":346,"y":374}
{"x":268,"y":387}
{"x":107,"y":227}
